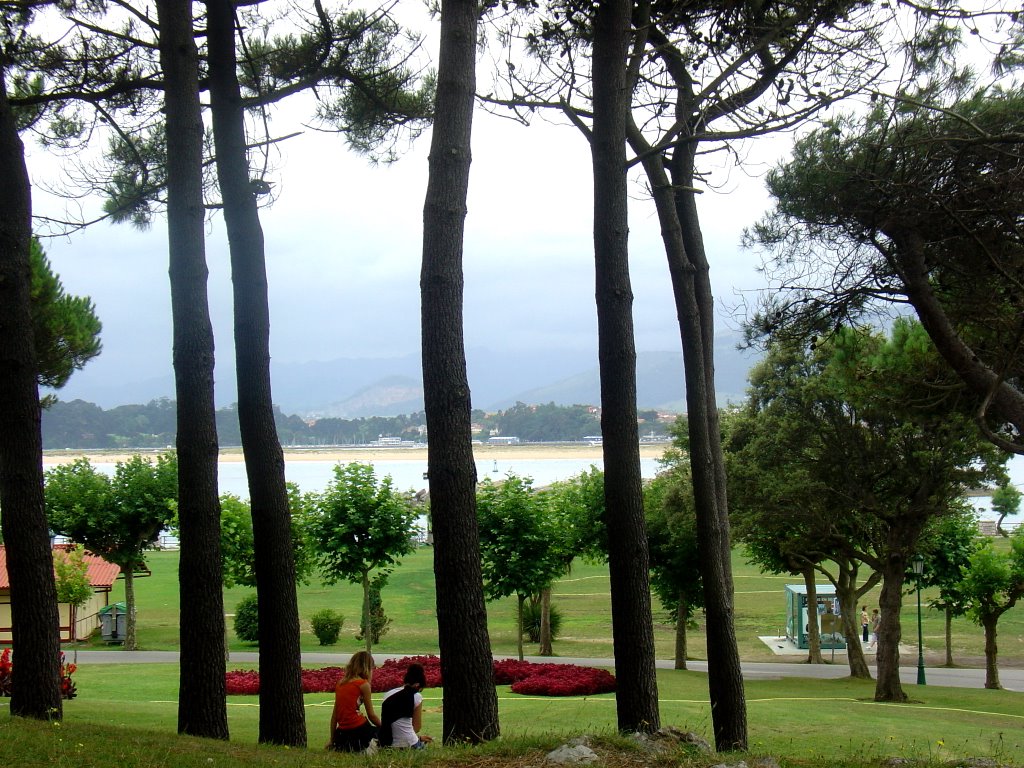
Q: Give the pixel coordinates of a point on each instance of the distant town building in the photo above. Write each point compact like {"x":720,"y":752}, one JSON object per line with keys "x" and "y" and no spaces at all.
{"x":503,"y":440}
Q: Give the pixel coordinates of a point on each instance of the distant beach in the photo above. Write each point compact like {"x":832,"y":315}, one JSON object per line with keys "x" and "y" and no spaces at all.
{"x":521,"y":452}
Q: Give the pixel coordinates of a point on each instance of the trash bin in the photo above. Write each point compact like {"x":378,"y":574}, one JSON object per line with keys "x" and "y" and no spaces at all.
{"x":112,"y":622}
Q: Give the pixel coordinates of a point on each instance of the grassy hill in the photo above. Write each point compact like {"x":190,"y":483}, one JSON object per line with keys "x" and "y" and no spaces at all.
{"x":581,"y":595}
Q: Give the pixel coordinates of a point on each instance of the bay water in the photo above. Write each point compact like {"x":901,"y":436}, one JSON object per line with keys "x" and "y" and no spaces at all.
{"x":409,"y":474}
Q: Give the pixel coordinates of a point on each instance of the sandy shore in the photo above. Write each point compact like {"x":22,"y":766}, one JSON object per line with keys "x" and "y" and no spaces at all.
{"x":362,"y":453}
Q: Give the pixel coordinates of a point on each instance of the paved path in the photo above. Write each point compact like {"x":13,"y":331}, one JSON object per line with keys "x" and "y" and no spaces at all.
{"x":1012,"y":679}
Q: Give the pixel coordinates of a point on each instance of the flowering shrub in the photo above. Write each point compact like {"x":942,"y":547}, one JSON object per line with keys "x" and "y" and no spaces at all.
{"x":68,"y":690}
{"x":6,"y":668}
{"x":525,"y":677}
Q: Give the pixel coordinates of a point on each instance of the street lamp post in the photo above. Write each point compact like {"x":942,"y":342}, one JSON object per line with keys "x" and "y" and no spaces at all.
{"x":918,"y":565}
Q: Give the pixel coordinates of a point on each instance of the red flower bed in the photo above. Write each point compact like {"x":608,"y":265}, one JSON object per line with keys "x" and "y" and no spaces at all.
{"x":565,"y":680}
{"x":524,"y":677}
{"x":321,"y":680}
{"x":6,"y":668}
{"x":508,"y":671}
{"x":389,"y":674}
{"x":68,"y":690}
{"x":243,"y":682}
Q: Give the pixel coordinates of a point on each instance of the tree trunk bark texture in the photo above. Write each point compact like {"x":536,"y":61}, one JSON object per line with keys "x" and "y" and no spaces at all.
{"x":282,"y":715}
{"x":681,"y":612}
{"x":632,"y":624}
{"x":202,"y":710}
{"x":849,"y":598}
{"x":991,"y":652}
{"x":887,"y":660}
{"x":949,"y":637}
{"x":34,"y":620}
{"x":470,"y":701}
{"x":813,"y":633}
{"x":130,"y":641}
{"x":695,"y":307}
{"x":690,"y":275}
{"x":367,"y":617}
{"x":545,"y":623}
{"x":520,"y":599}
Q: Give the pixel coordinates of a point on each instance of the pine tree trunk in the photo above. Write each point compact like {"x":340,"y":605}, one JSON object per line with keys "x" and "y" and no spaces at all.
{"x":34,"y":619}
{"x":689,"y":272}
{"x":470,"y":701}
{"x":282,"y":714}
{"x":695,"y":307}
{"x":632,"y":623}
{"x":202,"y":710}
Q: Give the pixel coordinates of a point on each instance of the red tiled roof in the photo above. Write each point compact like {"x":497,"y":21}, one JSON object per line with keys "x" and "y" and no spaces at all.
{"x":101,"y":573}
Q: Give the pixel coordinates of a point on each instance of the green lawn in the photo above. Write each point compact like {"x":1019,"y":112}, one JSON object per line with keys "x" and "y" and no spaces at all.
{"x":583,"y":598}
{"x":124,"y":718}
{"x":801,"y":719}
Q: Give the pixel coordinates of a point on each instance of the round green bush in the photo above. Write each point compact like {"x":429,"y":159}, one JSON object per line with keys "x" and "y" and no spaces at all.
{"x":327,"y":625}
{"x":247,"y":620}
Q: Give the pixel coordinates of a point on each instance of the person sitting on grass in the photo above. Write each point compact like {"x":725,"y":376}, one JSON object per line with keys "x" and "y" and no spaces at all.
{"x":401,"y":712}
{"x":351,"y":731}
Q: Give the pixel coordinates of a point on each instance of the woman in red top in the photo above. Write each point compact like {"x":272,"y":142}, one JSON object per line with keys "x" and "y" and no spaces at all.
{"x":351,"y":731}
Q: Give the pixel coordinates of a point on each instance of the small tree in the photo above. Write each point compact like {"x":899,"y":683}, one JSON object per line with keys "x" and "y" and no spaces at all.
{"x":579,"y":502}
{"x":71,"y":573}
{"x":994,"y":582}
{"x":360,"y":525}
{"x":675,"y":558}
{"x":237,"y":542}
{"x":1005,"y":501}
{"x":948,"y":545}
{"x":379,"y":621}
{"x":117,"y":518}
{"x":518,"y":544}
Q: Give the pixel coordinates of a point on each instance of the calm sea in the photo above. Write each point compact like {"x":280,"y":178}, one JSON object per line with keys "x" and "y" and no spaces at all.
{"x":408,"y":474}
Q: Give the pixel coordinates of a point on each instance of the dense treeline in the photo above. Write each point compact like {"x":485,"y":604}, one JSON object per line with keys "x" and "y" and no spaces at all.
{"x":536,"y":423}
{"x":78,"y":424}
{"x":550,"y":422}
{"x":83,"y":425}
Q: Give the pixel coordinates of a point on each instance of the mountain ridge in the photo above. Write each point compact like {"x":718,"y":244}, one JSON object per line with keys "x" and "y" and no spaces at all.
{"x":392,"y":386}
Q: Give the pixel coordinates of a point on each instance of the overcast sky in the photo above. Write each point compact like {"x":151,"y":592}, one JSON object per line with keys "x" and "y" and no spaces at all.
{"x":344,"y":248}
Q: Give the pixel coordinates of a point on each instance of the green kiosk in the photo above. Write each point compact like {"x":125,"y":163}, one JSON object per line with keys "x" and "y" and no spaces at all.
{"x":826,"y":612}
